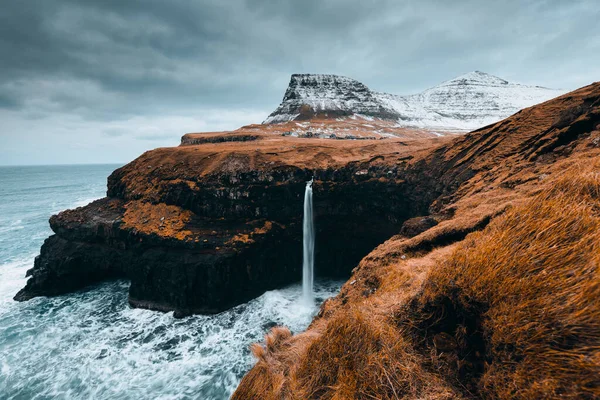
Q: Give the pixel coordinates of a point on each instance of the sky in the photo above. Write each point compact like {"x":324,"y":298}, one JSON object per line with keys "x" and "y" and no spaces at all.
{"x":102,"y":81}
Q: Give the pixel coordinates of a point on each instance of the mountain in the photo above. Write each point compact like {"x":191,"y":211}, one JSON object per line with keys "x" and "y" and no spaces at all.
{"x":464,"y":103}
{"x":309,"y":95}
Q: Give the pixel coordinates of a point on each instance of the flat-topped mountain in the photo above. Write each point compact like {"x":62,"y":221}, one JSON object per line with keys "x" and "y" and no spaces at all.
{"x":310,"y":95}
{"x":464,"y":103}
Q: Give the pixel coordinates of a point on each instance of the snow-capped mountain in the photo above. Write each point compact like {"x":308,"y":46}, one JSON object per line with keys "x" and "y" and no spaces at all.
{"x":313,"y":94}
{"x":467,"y":102}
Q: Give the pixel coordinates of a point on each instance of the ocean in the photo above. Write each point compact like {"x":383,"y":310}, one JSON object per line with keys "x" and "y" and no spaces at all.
{"x":91,"y":344}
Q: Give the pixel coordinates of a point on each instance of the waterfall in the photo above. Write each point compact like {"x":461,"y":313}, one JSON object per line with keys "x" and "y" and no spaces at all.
{"x":308,"y":258}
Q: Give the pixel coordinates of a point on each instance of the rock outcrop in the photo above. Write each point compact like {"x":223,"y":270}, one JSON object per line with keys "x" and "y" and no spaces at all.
{"x":312,"y":95}
{"x":217,"y":221}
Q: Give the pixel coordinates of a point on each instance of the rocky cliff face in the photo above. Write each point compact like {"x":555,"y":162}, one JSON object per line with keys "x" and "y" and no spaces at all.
{"x":464,"y":103}
{"x":202,"y":227}
{"x":217,"y":221}
{"x":429,"y":310}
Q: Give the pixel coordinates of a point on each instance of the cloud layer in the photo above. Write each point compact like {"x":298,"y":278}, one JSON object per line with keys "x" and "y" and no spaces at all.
{"x":104,"y":80}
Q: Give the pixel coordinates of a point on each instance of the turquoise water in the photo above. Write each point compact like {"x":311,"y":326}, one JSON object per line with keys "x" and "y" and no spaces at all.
{"x":91,"y":344}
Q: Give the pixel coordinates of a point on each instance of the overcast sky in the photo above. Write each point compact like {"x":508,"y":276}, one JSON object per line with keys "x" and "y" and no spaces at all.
{"x":94,"y":81}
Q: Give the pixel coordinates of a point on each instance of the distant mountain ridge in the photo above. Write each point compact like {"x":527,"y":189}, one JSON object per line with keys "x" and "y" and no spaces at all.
{"x":467,"y":102}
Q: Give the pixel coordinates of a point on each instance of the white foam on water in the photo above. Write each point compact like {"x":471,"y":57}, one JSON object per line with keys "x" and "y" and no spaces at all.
{"x":8,"y":226}
{"x":12,"y":278}
{"x":91,"y":344}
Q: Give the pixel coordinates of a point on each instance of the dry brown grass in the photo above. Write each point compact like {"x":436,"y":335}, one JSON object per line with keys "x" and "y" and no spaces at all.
{"x":340,"y":126}
{"x":267,"y":379}
{"x":525,"y":295}
{"x":356,"y":356}
{"x":158,"y":219}
{"x":361,"y":356}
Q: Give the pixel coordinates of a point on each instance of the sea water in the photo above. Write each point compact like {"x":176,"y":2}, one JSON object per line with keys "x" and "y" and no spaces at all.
{"x":91,"y":344}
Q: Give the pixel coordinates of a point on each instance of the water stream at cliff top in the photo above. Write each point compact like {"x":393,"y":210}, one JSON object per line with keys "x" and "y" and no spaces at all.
{"x":91,"y":344}
{"x":308,"y":240}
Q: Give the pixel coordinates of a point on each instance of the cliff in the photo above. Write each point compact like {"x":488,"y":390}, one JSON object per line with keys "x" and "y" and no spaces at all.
{"x":217,"y":221}
{"x":496,"y":298}
{"x":212,"y":223}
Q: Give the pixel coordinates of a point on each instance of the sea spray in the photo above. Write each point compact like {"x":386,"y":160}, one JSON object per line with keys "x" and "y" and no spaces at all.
{"x":308,"y":259}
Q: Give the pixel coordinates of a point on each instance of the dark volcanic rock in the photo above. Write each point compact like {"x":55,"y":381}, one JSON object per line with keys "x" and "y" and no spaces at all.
{"x":166,"y":273}
{"x":198,"y":230}
{"x":64,"y":266}
{"x":417,"y":225}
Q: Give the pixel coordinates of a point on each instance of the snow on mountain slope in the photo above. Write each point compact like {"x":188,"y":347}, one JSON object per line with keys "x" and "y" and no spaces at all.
{"x":312,"y":94}
{"x":464,"y":103}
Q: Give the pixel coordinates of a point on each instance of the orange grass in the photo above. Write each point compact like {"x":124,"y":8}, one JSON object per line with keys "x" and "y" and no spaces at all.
{"x":532,"y":280}
{"x":360,"y":356}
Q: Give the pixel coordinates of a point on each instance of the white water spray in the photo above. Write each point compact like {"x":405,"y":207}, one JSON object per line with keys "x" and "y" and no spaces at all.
{"x":308,"y":259}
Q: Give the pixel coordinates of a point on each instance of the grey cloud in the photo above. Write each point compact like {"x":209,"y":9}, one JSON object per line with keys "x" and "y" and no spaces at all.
{"x":157,"y":137}
{"x":114,"y":132}
{"x":9,"y":102}
{"x":113,"y":60}
{"x":227,"y":53}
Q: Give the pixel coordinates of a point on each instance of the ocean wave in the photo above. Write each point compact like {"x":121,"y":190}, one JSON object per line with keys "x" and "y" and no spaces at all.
{"x":12,"y":278}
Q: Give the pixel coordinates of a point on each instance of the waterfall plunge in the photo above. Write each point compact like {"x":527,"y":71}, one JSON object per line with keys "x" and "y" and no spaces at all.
{"x":308,"y":258}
